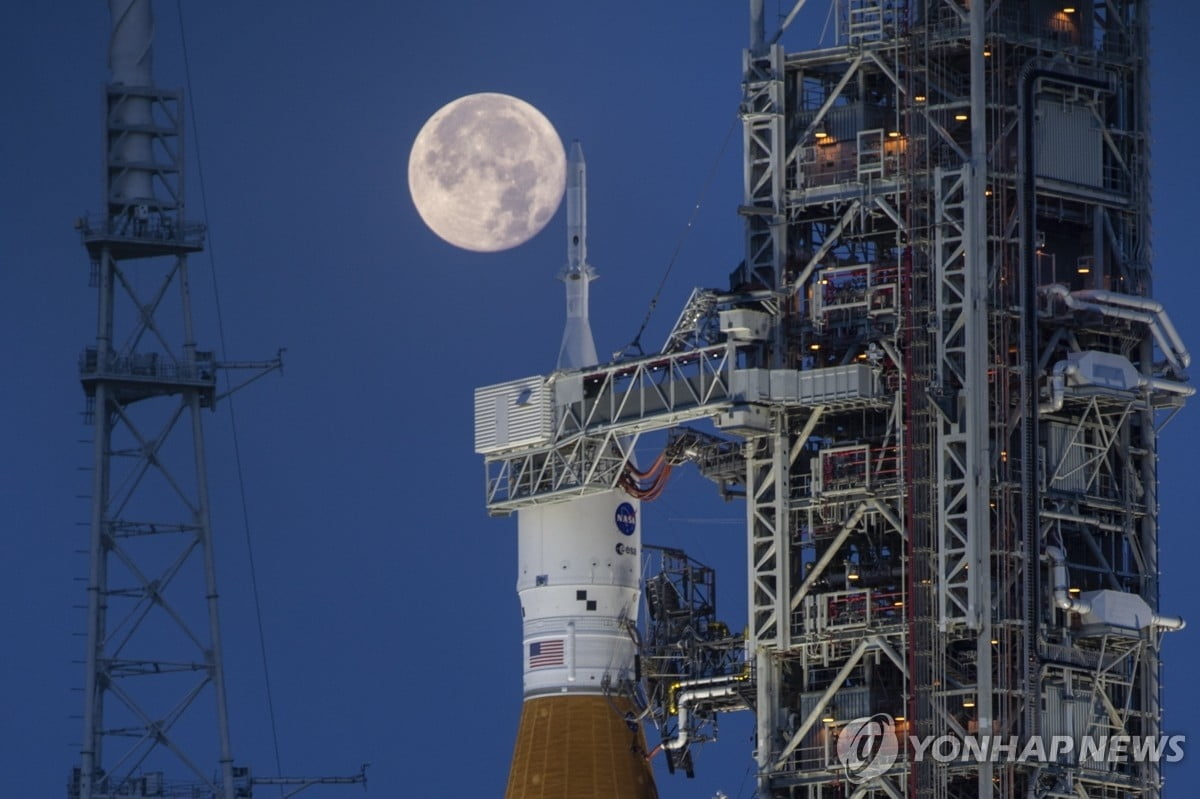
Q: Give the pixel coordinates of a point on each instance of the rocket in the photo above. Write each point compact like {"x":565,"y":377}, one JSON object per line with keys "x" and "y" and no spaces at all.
{"x":579,"y":564}
{"x":578,"y":349}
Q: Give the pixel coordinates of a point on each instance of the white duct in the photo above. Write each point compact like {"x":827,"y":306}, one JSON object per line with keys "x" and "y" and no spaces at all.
{"x":1062,"y":594}
{"x":1069,"y":371}
{"x":1134,"y":309}
{"x":1120,"y":605}
{"x":1058,"y":386}
{"x":1145,"y":304}
{"x":1156,"y":384}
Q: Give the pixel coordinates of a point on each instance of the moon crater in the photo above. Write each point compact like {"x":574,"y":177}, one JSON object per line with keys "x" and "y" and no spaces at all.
{"x":487,"y":172}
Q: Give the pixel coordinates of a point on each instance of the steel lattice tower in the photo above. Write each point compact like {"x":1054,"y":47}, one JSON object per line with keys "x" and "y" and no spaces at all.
{"x":154,"y":689}
{"x":944,"y":374}
{"x":959,"y":192}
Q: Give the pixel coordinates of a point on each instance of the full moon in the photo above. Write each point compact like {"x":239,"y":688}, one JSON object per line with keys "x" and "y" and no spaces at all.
{"x":487,"y":172}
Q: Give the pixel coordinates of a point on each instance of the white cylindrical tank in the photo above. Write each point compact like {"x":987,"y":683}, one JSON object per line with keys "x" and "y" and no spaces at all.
{"x":579,"y":566}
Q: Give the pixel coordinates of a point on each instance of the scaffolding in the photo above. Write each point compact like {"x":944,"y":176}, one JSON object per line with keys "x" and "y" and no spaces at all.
{"x":913,"y":198}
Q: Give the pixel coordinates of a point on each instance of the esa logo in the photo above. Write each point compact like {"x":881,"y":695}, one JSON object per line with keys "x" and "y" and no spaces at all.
{"x":626,"y":518}
{"x":625,"y":549}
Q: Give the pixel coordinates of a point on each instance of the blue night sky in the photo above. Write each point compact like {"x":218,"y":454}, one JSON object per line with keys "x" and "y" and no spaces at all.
{"x":392,"y":624}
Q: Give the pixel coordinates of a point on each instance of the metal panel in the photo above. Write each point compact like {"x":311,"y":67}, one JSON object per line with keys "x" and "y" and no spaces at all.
{"x":837,"y":383}
{"x":512,"y":414}
{"x":812,"y":387}
{"x":1068,"y":144}
{"x":750,"y":385}
{"x":1066,"y":460}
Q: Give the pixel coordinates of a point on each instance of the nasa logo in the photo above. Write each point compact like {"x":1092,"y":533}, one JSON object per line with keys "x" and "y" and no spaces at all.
{"x":625,"y":549}
{"x":626,"y":518}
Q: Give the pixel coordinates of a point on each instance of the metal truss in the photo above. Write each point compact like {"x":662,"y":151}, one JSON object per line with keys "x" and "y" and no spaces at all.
{"x":961,"y":379}
{"x":154,"y":679}
{"x":152,"y":649}
{"x":599,"y":413}
{"x":897,"y":223}
{"x":763,"y":144}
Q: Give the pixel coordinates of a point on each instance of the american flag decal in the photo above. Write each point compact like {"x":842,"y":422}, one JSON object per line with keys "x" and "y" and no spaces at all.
{"x":546,"y":653}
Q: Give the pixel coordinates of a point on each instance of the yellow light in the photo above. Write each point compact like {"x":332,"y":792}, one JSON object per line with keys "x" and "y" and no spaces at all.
{"x":899,"y":604}
{"x":987,"y":53}
{"x":995,"y":641}
{"x":852,"y":576}
{"x":1073,"y":590}
{"x":814,"y":346}
{"x":987,"y":192}
{"x":820,"y":134}
{"x":898,"y":718}
{"x":968,"y":702}
{"x":827,"y":719}
{"x":919,"y":98}
{"x":893,"y":134}
{"x":1084,"y":270}
{"x":1069,"y":10}
{"x":961,"y":117}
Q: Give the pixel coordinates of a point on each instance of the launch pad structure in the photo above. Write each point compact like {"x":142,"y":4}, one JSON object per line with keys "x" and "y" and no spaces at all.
{"x":937,"y":380}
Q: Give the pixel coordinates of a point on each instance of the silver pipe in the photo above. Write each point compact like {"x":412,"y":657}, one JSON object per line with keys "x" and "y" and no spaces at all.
{"x":1058,"y":386}
{"x":1081,"y":519}
{"x":1062,"y":594}
{"x":683,"y":701}
{"x":1145,"y":304}
{"x":1134,"y":309}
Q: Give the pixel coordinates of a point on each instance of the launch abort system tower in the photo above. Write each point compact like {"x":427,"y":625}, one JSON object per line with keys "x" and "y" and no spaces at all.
{"x":937,"y":379}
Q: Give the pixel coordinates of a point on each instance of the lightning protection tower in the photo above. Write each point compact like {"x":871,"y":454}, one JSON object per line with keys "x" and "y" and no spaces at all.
{"x":154,"y":692}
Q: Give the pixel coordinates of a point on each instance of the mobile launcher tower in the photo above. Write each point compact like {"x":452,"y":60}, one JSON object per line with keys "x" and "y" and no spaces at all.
{"x":936,"y":380}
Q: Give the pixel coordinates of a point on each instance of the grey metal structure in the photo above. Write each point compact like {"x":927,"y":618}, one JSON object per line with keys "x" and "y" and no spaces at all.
{"x":154,"y":685}
{"x":945,"y":375}
{"x":153,"y":633}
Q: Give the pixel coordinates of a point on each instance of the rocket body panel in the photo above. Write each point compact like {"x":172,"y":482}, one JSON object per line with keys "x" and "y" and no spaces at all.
{"x":579,"y":747}
{"x":579,"y":569}
{"x":578,"y":348}
{"x":591,"y":540}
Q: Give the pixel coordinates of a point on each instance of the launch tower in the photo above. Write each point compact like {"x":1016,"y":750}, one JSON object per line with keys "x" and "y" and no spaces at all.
{"x":937,"y":380}
{"x":957,"y":195}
